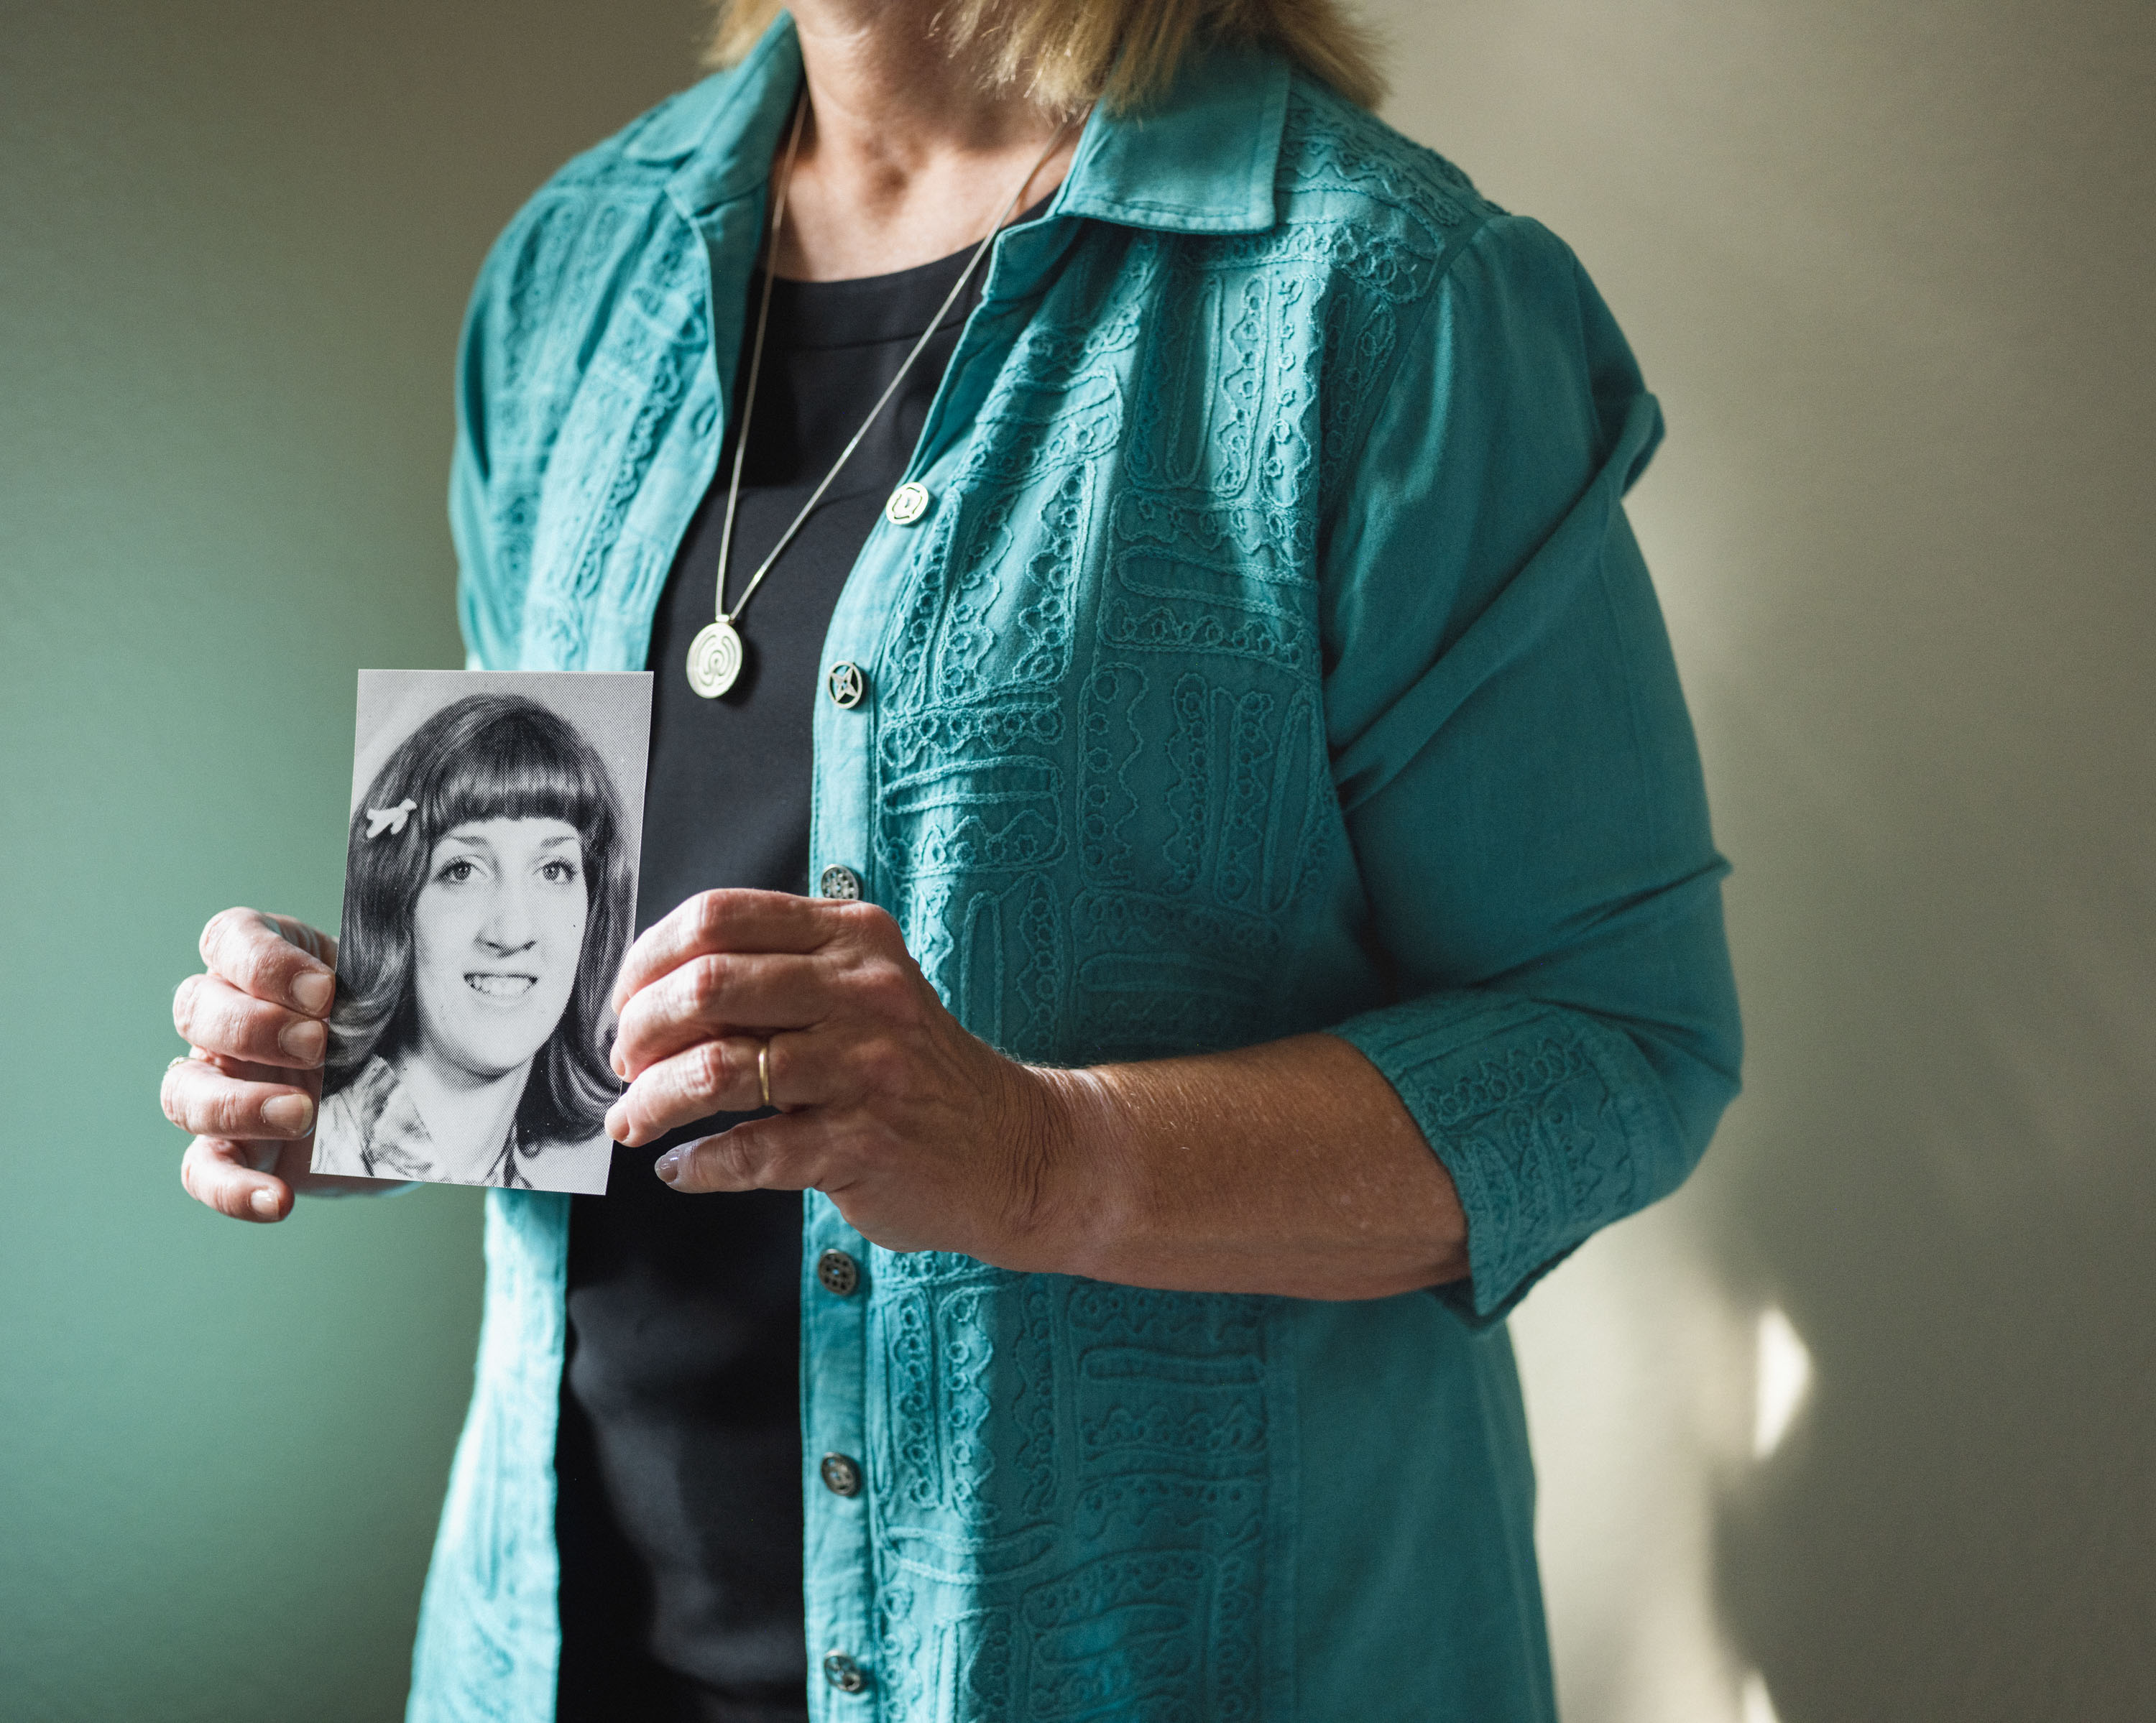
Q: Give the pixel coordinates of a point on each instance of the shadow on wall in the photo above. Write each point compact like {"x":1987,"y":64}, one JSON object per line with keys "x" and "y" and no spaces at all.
{"x":1887,"y":268}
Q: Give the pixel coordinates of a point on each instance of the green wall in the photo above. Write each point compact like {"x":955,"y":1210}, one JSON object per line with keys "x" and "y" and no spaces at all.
{"x":235,"y":240}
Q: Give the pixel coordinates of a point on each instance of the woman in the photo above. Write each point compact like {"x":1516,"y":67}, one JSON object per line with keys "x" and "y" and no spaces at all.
{"x":1264,"y":915}
{"x":486,"y":910}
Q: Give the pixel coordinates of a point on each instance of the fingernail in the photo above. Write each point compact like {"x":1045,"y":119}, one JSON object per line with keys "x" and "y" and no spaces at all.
{"x":620,"y":1066}
{"x":289,"y":1115}
{"x":668,"y":1166}
{"x":313,"y":989}
{"x":263,"y":1202}
{"x":304,"y":1040}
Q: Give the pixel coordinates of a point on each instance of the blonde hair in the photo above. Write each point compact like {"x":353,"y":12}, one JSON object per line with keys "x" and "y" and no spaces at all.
{"x":1063,"y":54}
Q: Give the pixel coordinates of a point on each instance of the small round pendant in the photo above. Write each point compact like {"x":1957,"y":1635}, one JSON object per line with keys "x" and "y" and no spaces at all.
{"x":715,"y":659}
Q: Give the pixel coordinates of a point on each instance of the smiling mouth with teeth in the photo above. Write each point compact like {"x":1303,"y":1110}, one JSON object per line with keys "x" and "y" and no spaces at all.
{"x":501,"y":987}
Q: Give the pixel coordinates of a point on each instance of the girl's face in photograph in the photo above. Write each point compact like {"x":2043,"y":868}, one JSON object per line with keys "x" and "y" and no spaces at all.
{"x":496,"y":933}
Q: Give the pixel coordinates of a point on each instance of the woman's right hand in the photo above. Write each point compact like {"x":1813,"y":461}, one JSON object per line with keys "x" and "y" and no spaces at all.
{"x":256,"y":1027}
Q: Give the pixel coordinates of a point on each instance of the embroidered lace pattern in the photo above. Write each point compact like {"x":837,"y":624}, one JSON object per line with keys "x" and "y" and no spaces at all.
{"x":1142,"y":576}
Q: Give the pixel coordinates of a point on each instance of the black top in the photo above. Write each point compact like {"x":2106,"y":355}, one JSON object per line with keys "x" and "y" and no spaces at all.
{"x":678,"y":1516}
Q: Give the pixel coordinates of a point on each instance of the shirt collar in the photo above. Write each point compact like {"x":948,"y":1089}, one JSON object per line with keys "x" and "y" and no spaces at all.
{"x":1200,"y":161}
{"x":1203,"y":160}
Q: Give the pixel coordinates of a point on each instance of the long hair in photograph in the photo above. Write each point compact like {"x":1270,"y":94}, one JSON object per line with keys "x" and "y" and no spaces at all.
{"x":486,"y":756}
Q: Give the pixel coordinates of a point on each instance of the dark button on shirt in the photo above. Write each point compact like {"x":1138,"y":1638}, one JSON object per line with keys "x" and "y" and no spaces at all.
{"x":840,"y":1272}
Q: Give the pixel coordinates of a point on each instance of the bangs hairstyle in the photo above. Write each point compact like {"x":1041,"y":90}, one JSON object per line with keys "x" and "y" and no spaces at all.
{"x":486,"y":756}
{"x":1064,"y":54}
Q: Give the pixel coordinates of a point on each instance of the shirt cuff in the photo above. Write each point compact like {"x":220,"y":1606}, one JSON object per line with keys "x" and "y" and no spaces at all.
{"x":1535,"y":1111}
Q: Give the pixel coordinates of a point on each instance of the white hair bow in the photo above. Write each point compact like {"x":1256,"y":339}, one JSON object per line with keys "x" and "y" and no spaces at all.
{"x":389,"y":819}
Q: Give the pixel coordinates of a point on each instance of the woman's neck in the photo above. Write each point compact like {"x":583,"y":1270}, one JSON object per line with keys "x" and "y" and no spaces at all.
{"x":467,"y":1117}
{"x":906,"y":156}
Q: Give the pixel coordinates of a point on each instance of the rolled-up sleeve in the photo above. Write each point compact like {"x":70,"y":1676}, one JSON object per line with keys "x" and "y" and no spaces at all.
{"x":1518,"y":771}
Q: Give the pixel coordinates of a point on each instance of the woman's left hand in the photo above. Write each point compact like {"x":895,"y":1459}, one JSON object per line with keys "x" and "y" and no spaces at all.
{"x":925,"y":1136}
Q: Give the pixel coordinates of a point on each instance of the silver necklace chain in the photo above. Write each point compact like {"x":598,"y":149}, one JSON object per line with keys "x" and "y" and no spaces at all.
{"x":716,"y":655}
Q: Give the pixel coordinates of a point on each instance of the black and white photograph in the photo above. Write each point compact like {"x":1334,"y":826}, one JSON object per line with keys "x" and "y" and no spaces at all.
{"x":490,"y":894}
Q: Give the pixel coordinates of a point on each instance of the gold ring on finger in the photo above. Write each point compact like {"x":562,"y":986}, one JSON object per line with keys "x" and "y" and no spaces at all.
{"x":763,"y":1071}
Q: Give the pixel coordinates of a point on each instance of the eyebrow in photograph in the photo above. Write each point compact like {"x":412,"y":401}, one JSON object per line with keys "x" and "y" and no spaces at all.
{"x":464,"y":834}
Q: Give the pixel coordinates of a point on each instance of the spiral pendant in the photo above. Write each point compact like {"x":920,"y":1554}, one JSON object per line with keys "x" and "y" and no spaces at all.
{"x":715,"y":659}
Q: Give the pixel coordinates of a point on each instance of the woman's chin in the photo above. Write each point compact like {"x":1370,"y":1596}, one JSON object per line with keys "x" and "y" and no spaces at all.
{"x":495,"y":1051}
{"x":485,"y":1037}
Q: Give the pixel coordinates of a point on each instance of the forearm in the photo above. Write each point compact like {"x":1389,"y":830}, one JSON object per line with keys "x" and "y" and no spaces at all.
{"x":1291,"y":1169}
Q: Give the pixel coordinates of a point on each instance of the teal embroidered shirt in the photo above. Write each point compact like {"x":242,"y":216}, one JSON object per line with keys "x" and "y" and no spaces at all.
{"x":1273,"y":655}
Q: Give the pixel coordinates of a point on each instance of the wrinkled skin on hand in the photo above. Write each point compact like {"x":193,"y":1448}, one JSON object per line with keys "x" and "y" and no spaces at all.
{"x":255,"y":1021}
{"x":924,"y":1135}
